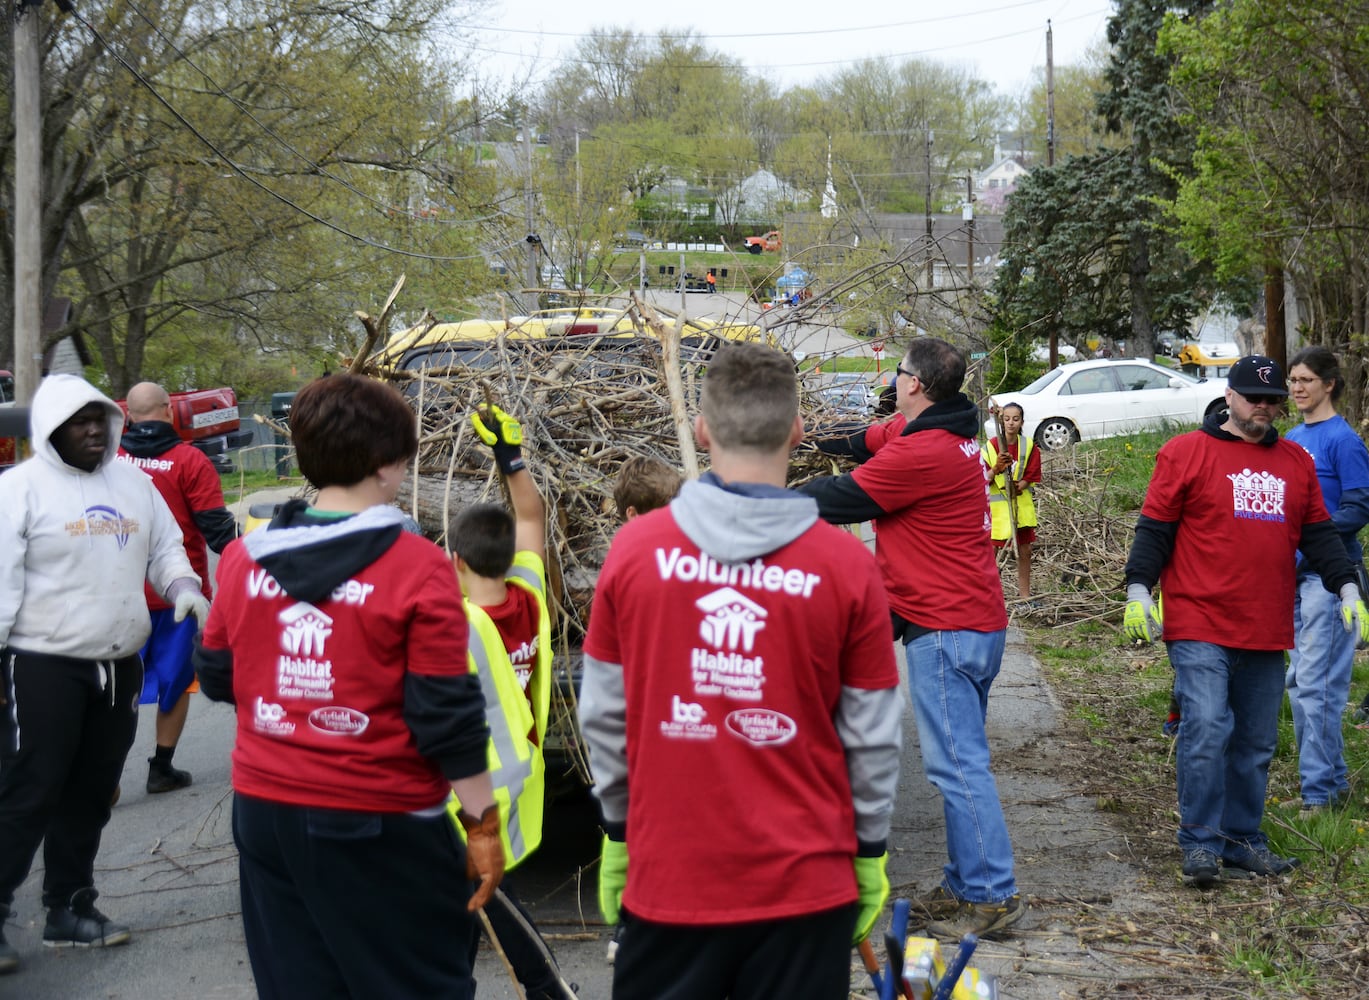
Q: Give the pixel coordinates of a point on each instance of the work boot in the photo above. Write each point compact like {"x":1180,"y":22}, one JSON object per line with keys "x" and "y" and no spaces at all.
{"x":80,"y":925}
{"x":9,"y":958}
{"x":162,"y":777}
{"x":979,"y":919}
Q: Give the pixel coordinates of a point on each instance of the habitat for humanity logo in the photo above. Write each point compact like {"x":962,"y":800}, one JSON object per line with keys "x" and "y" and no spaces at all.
{"x":1257,"y":496}
{"x":303,"y":671}
{"x":730,"y":625}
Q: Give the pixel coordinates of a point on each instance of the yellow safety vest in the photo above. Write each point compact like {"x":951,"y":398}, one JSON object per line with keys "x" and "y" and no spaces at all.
{"x":998,"y":497}
{"x":517,"y":767}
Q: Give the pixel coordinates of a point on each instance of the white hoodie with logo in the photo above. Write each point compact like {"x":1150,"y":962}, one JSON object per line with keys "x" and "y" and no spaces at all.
{"x":75,"y":546}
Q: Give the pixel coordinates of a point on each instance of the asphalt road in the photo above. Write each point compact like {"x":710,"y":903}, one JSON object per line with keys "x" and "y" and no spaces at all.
{"x":167,"y":867}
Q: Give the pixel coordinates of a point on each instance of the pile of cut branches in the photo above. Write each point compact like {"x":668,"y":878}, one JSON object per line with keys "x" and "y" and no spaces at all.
{"x":586,"y":405}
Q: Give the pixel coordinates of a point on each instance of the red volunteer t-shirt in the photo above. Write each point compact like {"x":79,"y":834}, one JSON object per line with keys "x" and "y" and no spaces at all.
{"x":187,"y":481}
{"x":739,"y":804}
{"x":517,"y":621}
{"x":319,"y":687}
{"x":934,"y":546}
{"x":1240,"y":510}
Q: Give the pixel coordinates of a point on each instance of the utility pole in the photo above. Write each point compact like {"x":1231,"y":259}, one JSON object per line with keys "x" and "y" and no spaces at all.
{"x":28,"y":204}
{"x":968,"y":215}
{"x":530,"y":209}
{"x":1050,"y":96}
{"x":1053,"y":349}
{"x":931,"y":273}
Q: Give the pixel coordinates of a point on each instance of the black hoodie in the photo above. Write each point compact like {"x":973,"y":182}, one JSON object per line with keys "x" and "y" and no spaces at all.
{"x":152,"y":438}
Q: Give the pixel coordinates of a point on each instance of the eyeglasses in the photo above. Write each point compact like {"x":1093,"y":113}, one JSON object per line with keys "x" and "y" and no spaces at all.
{"x":1266,"y":400}
{"x":900,"y":370}
{"x":1299,"y":380}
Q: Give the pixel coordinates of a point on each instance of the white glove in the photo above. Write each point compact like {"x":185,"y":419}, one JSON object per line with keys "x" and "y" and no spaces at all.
{"x":1354,"y":614}
{"x":190,"y":601}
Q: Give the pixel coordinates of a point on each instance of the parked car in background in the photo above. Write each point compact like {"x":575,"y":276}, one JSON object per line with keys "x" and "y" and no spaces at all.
{"x":849,"y":398}
{"x":1085,"y":400}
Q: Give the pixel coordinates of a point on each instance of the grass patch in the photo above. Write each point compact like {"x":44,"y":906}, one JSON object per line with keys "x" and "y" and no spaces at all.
{"x":1302,"y":935}
{"x":239,"y":484}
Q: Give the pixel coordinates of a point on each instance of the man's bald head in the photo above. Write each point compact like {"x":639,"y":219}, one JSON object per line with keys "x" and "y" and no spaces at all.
{"x":148,"y":401}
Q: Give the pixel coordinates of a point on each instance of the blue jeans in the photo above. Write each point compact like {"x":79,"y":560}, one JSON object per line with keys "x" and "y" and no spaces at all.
{"x":949,"y":675}
{"x":1229,"y":699}
{"x":1320,"y":667}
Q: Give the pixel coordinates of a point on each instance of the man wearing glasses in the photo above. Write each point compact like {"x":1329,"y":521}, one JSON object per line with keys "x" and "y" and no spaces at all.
{"x":1228,"y":508}
{"x":922,"y":482}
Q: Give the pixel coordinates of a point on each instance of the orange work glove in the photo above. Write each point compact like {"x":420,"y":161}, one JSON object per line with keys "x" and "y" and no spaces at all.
{"x":484,"y":854}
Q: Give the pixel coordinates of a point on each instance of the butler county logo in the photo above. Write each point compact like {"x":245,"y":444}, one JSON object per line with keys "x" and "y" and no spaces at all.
{"x":761,"y":726}
{"x":686,"y":722}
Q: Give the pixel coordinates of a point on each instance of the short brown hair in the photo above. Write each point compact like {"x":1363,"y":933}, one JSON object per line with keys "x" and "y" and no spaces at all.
{"x":750,"y":398}
{"x":346,"y":426}
{"x":485,"y":536}
{"x":644,"y":483}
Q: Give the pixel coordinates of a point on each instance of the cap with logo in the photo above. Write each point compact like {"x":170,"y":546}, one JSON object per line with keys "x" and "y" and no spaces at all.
{"x":1256,"y":375}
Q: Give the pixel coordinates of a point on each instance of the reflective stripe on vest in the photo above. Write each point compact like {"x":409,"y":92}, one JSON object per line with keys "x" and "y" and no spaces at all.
{"x":998,"y":500}
{"x":517,"y":769}
{"x":527,"y":572}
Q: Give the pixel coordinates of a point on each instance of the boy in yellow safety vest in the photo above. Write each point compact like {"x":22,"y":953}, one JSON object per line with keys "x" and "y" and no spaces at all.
{"x":1022,"y":461}
{"x":500,"y":563}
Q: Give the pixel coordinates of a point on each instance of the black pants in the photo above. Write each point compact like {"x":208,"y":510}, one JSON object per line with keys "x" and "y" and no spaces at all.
{"x":65,"y":729}
{"x":807,"y":957}
{"x":344,"y":904}
{"x":522,"y":945}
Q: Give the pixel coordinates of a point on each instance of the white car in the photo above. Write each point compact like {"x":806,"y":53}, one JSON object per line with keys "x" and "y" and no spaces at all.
{"x":1085,"y":400}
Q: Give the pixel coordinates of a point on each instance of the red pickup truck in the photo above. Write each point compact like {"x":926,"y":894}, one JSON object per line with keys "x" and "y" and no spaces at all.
{"x":206,"y":418}
{"x":14,"y":422}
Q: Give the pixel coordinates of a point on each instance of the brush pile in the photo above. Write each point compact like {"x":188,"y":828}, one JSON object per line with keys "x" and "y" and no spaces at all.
{"x":586,"y":405}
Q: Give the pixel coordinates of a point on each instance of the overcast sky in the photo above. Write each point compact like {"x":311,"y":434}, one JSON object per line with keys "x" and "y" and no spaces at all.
{"x":798,"y":41}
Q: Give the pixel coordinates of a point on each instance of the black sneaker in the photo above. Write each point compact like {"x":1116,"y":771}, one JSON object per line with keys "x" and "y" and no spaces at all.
{"x":1259,"y":861}
{"x":80,"y":925}
{"x":1200,"y":867}
{"x":164,"y":777}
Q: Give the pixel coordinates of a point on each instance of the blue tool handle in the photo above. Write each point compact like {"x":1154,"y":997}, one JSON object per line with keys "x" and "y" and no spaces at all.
{"x":946,"y":984}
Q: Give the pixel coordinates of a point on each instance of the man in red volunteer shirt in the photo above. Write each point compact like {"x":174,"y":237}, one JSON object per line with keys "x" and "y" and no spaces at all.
{"x":1228,"y":508}
{"x":741,"y":709}
{"x":922,"y":483}
{"x":189,"y":484}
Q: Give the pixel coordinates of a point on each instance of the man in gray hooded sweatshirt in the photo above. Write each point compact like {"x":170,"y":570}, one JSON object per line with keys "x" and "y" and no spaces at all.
{"x":740,"y":703}
{"x":79,"y":533}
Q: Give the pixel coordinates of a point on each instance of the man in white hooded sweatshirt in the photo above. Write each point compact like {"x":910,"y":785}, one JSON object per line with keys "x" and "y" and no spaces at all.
{"x":79,"y":533}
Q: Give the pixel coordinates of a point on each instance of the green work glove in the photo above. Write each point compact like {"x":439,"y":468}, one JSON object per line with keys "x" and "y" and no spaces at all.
{"x":1354,"y":614}
{"x":1143,"y":620}
{"x":872,"y":881}
{"x":612,"y":879}
{"x":504,"y":435}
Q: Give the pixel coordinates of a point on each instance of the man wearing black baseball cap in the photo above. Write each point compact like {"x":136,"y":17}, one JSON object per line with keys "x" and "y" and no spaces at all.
{"x":1227,"y":510}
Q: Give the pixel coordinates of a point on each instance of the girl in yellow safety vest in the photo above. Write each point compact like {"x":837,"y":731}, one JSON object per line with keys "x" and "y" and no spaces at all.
{"x":1022,"y":461}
